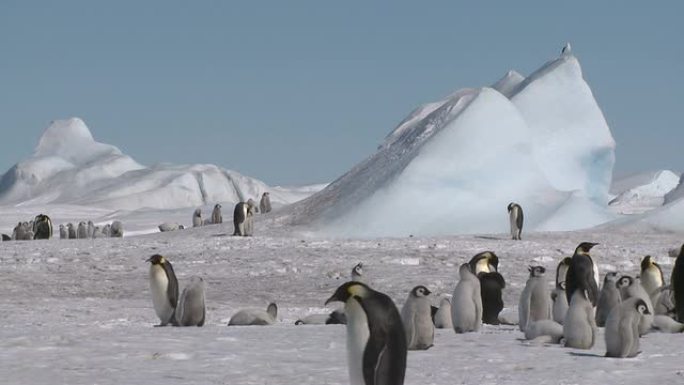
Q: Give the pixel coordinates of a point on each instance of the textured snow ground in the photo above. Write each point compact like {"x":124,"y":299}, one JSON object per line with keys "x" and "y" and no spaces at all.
{"x":80,"y":312}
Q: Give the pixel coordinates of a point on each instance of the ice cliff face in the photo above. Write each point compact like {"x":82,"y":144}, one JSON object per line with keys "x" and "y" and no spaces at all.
{"x":453,"y":166}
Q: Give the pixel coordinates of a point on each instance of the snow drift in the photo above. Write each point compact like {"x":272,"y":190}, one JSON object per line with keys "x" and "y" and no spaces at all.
{"x":642,"y":192}
{"x":70,"y":167}
{"x":454,"y":165}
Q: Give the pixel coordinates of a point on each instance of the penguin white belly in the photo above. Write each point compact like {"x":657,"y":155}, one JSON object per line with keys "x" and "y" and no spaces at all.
{"x":514,"y":226}
{"x":159,"y":283}
{"x":651,"y":280}
{"x":596,"y":274}
{"x":357,"y":338}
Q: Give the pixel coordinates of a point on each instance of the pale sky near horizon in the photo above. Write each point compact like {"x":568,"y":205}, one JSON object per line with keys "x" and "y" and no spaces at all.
{"x":299,"y":92}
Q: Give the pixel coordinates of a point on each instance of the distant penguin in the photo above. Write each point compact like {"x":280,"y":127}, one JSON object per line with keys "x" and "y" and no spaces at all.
{"x":191,"y":310}
{"x":567,"y":49}
{"x":6,"y":237}
{"x":677,"y":285}
{"x":91,"y":229}
{"x":216,"y":216}
{"x":164,"y":288}
{"x":116,"y":230}
{"x":97,"y":232}
{"x":631,"y":288}
{"x":608,"y":298}
{"x":485,"y":266}
{"x":417,"y":319}
{"x":582,"y":274}
{"x":357,"y":273}
{"x":265,"y":203}
{"x":19,"y":232}
{"x":376,"y":341}
{"x":63,"y":232}
{"x":651,"y":276}
{"x":42,"y":227}
{"x":336,"y":317}
{"x":622,"y":328}
{"x":535,"y":300}
{"x":260,"y":317}
{"x":197,"y":218}
{"x":242,"y":219}
{"x":442,"y":318}
{"x":545,"y":327}
{"x":107,"y":230}
{"x":579,"y":326}
{"x":515,"y":214}
{"x":82,"y":230}
{"x":71,"y":230}
{"x":560,"y":303}
{"x":466,"y":302}
{"x":252,"y":208}
{"x":29,"y":235}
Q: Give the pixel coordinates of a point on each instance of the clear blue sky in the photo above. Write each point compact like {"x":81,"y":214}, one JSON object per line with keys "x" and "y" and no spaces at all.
{"x":296,"y":92}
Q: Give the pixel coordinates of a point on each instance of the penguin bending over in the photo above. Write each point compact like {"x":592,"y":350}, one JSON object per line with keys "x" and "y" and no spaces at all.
{"x":416,"y":316}
{"x":376,"y":341}
{"x":677,"y":285}
{"x":164,"y":288}
{"x":191,"y":310}
{"x":582,"y":274}
{"x":579,"y":326}
{"x":466,"y":302}
{"x":651,"y":275}
{"x":42,"y":227}
{"x":535,"y":299}
{"x":516,"y":218}
{"x":242,"y":219}
{"x":197,"y":218}
{"x":442,"y":318}
{"x":255,"y":316}
{"x":216,"y":216}
{"x":485,"y":266}
{"x":608,"y":299}
{"x":622,"y":328}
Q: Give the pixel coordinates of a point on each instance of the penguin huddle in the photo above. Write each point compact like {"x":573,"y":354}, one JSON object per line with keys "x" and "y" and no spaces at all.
{"x":39,"y":227}
{"x":88,"y":230}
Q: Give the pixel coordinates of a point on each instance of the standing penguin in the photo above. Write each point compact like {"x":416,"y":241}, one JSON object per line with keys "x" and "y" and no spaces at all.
{"x":651,"y":275}
{"x":376,"y":341}
{"x":107,"y":230}
{"x":191,"y":310}
{"x":535,"y":299}
{"x":82,"y":231}
{"x":442,"y":317}
{"x":357,"y":273}
{"x":71,"y":230}
{"x":216,"y":216}
{"x":417,"y":318}
{"x":91,"y":229}
{"x":197,"y":218}
{"x":515,"y":214}
{"x":63,"y":233}
{"x":582,"y":274}
{"x":579,"y":326}
{"x":42,"y":227}
{"x":164,"y":288}
{"x":622,"y":328}
{"x":466,"y":302}
{"x":242,"y":219}
{"x":677,"y":285}
{"x":265,"y":203}
{"x":485,"y":266}
{"x":631,"y":288}
{"x":560,"y":303}
{"x":608,"y":299}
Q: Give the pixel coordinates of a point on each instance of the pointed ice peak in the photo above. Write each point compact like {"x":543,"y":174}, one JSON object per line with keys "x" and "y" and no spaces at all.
{"x":508,"y":83}
{"x":567,"y":49}
{"x":71,"y":139}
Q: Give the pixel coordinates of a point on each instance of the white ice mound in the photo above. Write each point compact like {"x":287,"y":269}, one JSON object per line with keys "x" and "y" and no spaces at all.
{"x":642,"y":192}
{"x":453,"y":166}
{"x":70,"y":167}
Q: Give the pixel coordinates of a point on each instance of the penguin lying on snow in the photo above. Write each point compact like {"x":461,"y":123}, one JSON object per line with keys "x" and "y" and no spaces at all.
{"x":337,"y":317}
{"x":255,"y":316}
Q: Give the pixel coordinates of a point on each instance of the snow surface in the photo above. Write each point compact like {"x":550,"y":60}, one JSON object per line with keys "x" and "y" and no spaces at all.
{"x":80,"y":312}
{"x":642,"y":192}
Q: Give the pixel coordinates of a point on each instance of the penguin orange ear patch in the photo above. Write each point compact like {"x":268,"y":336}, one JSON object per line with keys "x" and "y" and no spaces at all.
{"x":356,"y":290}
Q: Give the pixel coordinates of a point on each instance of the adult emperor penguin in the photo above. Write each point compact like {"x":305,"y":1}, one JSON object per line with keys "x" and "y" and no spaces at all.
{"x":485,"y":266}
{"x":42,"y":227}
{"x":164,"y":288}
{"x":191,"y":310}
{"x":677,"y":285}
{"x":82,"y":230}
{"x":582,"y":274}
{"x":376,"y":341}
{"x":197,"y":218}
{"x":466,"y":302}
{"x":242,"y":219}
{"x":535,"y":300}
{"x":253,"y":317}
{"x":651,"y":275}
{"x":608,"y":299}
{"x":442,"y":317}
{"x":216,"y":216}
{"x":622,"y":328}
{"x":417,"y":318}
{"x":357,"y":273}
{"x":515,"y":214}
{"x":631,"y":288}
{"x":265,"y":203}
{"x":579,"y":326}
{"x":63,"y":233}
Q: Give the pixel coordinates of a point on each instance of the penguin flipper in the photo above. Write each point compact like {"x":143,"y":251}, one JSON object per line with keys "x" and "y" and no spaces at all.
{"x":172,"y":288}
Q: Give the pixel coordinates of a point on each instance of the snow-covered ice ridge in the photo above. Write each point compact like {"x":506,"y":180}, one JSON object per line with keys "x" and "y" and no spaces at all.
{"x":453,"y":166}
{"x":70,"y":167}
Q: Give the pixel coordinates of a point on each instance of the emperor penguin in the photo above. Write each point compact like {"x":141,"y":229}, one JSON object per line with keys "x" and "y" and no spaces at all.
{"x":71,"y":230}
{"x":579,"y":326}
{"x":116,"y":230}
{"x":357,"y":273}
{"x":560,"y":303}
{"x":677,"y":285}
{"x":535,"y":300}
{"x":567,"y":49}
{"x":631,"y":288}
{"x":82,"y":230}
{"x":651,"y":275}
{"x":663,"y":302}
{"x":216,"y":216}
{"x":107,"y":230}
{"x":544,"y":328}
{"x":608,"y":298}
{"x":442,"y":318}
{"x":265,"y":203}
{"x":168,"y":226}
{"x":63,"y":233}
{"x":191,"y":310}
{"x":164,"y":288}
{"x":42,"y":227}
{"x":6,"y":237}
{"x":466,"y":302}
{"x":665,"y":324}
{"x":252,"y":208}
{"x":91,"y":229}
{"x":622,"y":328}
{"x":485,"y":266}
{"x":376,"y":341}
{"x":582,"y":274}
{"x":417,"y":318}
{"x":197,"y":218}
{"x":515,"y":214}
{"x":242,"y":219}
{"x":19,"y":232}
{"x":255,"y":317}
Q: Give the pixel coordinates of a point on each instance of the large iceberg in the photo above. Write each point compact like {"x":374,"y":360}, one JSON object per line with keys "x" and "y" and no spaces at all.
{"x":454,"y":165}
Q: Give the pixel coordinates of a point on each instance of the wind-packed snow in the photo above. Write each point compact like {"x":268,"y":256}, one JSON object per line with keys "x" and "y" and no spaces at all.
{"x":453,"y":166}
{"x":70,"y":167}
{"x":80,"y":311}
{"x":642,"y":192}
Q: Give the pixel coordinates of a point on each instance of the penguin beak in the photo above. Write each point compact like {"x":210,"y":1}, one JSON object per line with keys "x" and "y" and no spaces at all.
{"x":332,"y":299}
{"x":148,"y":259}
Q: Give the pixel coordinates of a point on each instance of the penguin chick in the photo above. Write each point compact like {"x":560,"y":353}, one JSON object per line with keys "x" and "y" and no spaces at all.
{"x":191,"y":310}
{"x":609,"y":297}
{"x":579,"y":326}
{"x":255,"y":316}
{"x":376,"y":341}
{"x":417,"y":318}
{"x":164,"y":288}
{"x":560,"y":303}
{"x":442,"y":317}
{"x":665,"y":324}
{"x":357,"y":273}
{"x":545,"y":327}
{"x":466,"y":302}
{"x":622,"y":328}
{"x":631,"y":288}
{"x":197,"y":218}
{"x":534,"y":304}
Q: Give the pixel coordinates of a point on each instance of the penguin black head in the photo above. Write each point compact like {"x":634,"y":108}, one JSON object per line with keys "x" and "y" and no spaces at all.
{"x":647,"y":262}
{"x":641,"y":307}
{"x":156,"y":260}
{"x":584,"y":247}
{"x":347,"y":290}
{"x":485,"y":261}
{"x":610,"y":276}
{"x":358,"y":269}
{"x":510,"y":206}
{"x":217,"y":206}
{"x":420,"y":291}
{"x":624,"y":281}
{"x":536,"y":271}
